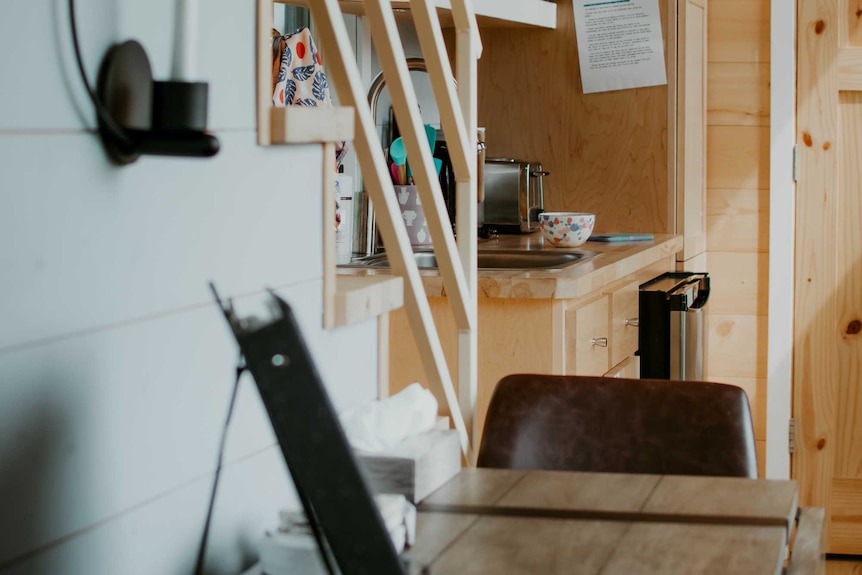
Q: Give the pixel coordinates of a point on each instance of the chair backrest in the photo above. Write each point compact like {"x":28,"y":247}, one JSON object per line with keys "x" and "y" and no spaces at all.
{"x":572,"y":423}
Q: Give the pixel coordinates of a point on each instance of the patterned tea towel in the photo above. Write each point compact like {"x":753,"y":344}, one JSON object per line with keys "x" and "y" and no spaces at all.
{"x":299,"y":80}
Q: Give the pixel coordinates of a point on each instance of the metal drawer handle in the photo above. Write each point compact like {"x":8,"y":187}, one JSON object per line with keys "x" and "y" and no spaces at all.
{"x":600,"y":341}
{"x":632,"y":322}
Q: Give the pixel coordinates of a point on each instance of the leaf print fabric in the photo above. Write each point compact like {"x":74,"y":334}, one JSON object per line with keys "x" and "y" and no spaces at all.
{"x":319,"y":86}
{"x":289,"y":91}
{"x":300,"y":76}
{"x":304,"y":73}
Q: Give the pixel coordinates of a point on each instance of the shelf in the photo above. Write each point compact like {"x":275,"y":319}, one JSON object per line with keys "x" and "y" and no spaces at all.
{"x":489,"y":13}
{"x":359,"y":297}
{"x":301,"y":125}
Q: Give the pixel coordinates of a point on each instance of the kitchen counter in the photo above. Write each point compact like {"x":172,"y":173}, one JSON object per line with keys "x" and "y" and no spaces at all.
{"x":541,"y":321}
{"x":614,"y":262}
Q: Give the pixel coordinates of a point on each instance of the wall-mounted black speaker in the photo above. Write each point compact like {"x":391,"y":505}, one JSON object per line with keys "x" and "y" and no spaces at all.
{"x":147,"y":116}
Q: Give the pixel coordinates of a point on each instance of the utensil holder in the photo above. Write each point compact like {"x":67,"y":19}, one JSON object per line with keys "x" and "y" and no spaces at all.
{"x":414,"y":216}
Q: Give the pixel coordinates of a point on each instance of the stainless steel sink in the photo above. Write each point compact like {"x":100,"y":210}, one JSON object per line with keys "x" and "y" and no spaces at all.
{"x":494,"y":259}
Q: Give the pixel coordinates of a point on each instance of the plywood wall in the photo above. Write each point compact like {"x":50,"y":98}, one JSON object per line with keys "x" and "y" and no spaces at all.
{"x":607,"y":152}
{"x":738,"y":198}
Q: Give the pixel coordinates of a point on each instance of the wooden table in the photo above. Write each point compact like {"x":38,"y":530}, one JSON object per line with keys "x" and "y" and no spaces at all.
{"x":528,"y":522}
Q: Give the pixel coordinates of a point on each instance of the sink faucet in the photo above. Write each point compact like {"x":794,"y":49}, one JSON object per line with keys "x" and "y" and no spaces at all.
{"x":366,"y":239}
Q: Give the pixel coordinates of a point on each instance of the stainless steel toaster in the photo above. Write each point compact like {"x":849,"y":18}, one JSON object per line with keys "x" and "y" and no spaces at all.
{"x":513,"y":196}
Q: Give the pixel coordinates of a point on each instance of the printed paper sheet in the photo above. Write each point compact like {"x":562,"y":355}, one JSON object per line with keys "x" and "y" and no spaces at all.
{"x":619,"y":44}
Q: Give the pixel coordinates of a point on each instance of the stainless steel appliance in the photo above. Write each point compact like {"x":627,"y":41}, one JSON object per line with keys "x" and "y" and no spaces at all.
{"x":513,"y":196}
{"x":671,"y":326}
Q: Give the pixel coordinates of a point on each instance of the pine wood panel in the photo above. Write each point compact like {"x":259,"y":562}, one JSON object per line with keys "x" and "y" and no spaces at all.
{"x":815,"y":359}
{"x":854,"y":22}
{"x":848,"y":446}
{"x":739,"y":31}
{"x":737,"y":346}
{"x":696,"y":264}
{"x":739,"y":283}
{"x":738,"y":94}
{"x":738,"y":157}
{"x":737,"y":200}
{"x":738,"y":220}
{"x":404,"y":364}
{"x":845,"y":531}
{"x":607,"y":152}
{"x":849,"y":68}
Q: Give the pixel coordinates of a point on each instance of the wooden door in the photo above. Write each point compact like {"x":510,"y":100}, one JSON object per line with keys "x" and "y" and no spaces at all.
{"x":827,"y":403}
{"x":690,"y":161}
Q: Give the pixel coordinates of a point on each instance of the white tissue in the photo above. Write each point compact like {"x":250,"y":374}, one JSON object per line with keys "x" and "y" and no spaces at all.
{"x":399,"y":516}
{"x":377,"y":425}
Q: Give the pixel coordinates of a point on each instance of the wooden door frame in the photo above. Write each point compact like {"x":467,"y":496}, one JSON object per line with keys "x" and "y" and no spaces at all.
{"x":782,"y":237}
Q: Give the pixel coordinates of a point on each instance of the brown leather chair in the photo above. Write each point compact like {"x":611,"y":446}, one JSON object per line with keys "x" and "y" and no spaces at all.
{"x":576,"y":423}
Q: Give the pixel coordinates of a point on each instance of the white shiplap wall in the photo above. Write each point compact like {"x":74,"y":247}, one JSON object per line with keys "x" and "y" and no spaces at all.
{"x":115,"y":366}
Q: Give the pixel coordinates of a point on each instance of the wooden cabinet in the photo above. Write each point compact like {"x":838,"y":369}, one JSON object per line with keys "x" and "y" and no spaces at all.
{"x":635,"y":158}
{"x":585,"y":335}
{"x":602,"y":335}
{"x":588,"y":338}
{"x":624,"y":320}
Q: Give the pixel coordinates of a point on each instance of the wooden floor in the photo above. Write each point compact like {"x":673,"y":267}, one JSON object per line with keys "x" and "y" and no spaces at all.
{"x":834,"y":567}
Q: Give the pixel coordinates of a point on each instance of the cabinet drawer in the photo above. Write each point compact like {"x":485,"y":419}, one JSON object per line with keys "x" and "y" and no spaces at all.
{"x":587,"y":338}
{"x":624,"y":315}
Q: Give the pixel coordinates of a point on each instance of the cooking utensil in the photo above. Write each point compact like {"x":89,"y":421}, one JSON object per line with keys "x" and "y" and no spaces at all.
{"x":393,"y":171}
{"x":399,"y":156}
{"x":397,"y":152}
{"x":431,"y":134}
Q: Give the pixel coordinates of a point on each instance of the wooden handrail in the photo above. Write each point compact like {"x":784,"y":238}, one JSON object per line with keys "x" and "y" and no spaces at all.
{"x":342,"y":68}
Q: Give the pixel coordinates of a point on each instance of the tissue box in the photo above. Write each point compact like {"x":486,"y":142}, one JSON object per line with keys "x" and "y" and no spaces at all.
{"x":415,"y":467}
{"x":288,"y":553}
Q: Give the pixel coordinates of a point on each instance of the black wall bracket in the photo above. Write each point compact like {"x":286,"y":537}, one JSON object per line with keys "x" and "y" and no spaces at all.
{"x":166,"y":118}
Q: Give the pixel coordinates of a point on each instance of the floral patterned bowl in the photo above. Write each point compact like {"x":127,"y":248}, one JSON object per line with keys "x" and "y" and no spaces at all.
{"x":566,"y":229}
